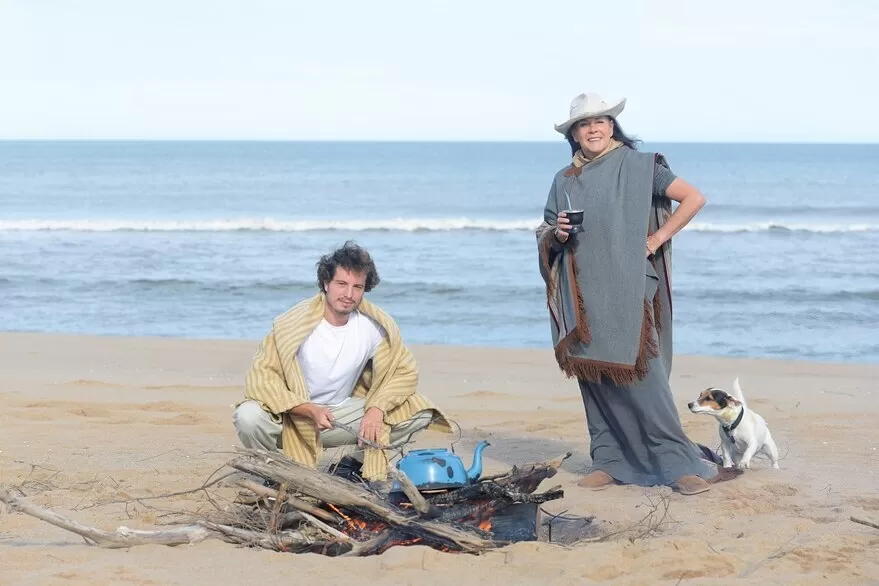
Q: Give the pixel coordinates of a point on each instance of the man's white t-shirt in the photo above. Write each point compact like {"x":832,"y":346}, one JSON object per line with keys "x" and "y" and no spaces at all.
{"x":332,"y":358}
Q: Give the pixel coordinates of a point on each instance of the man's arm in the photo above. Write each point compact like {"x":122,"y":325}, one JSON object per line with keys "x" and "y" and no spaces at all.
{"x":266,"y":383}
{"x":322,"y":416}
{"x":399,"y":385}
{"x":397,"y":388}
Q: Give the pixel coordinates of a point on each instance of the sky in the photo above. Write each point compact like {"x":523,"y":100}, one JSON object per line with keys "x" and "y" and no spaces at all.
{"x":691,"y":70}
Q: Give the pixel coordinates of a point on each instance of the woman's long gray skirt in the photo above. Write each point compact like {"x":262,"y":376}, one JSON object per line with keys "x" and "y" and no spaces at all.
{"x":636,"y":433}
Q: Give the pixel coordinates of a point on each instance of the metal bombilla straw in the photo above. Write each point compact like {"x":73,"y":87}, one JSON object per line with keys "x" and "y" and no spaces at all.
{"x":574,"y":228}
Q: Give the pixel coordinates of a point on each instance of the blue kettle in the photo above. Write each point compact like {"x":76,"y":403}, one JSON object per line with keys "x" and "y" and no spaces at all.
{"x":439,"y":468}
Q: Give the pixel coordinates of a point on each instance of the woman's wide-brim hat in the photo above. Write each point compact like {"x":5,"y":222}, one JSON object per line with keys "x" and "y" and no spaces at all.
{"x":589,"y":106}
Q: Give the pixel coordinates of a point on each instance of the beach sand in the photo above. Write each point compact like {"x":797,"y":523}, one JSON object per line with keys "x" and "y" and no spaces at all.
{"x":88,"y":419}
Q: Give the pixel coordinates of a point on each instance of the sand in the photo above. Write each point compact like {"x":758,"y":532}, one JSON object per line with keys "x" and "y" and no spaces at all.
{"x":89,"y":419}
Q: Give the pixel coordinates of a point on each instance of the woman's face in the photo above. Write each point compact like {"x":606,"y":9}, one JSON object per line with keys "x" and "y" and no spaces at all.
{"x":594,"y":134}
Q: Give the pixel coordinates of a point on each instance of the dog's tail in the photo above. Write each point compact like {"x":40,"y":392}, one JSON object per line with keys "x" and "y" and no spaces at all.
{"x":737,"y":391}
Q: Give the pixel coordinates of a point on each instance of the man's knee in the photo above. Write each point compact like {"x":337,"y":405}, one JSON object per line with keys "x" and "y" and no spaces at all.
{"x":423,"y":419}
{"x":249,"y":417}
{"x":404,"y":431}
{"x":255,"y":427}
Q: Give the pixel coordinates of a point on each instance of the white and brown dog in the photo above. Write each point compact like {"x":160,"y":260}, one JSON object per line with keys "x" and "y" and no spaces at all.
{"x":743,"y":432}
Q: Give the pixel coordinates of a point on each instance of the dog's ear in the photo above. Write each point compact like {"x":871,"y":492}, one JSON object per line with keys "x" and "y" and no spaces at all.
{"x":732,"y":400}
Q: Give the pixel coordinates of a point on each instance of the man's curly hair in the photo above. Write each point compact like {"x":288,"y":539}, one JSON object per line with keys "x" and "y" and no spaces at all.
{"x":350,"y":257}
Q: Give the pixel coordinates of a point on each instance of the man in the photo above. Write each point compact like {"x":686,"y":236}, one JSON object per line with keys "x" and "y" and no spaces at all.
{"x":335,"y":358}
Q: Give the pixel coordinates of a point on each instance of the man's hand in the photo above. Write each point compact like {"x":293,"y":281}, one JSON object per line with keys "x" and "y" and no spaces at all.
{"x":371,"y":425}
{"x":322,"y":416}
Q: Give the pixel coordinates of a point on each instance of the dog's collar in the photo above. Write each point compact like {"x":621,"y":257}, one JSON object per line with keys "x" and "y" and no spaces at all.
{"x":730,"y":428}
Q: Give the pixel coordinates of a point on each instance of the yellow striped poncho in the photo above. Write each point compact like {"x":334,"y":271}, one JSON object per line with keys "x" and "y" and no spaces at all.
{"x":275,"y":380}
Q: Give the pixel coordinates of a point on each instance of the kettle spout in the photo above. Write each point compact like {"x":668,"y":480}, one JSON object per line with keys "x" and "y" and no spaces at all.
{"x":475,"y":470}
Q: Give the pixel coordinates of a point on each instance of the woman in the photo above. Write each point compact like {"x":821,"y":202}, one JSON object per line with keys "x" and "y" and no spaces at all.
{"x":609,"y":296}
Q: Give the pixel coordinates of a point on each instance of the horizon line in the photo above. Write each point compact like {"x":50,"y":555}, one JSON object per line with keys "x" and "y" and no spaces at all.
{"x":422,"y":141}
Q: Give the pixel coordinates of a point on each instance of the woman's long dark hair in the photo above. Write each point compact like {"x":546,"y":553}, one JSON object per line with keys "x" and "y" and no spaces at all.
{"x":618,"y":134}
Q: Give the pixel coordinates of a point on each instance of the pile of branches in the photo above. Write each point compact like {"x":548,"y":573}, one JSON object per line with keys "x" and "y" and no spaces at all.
{"x":298,"y":509}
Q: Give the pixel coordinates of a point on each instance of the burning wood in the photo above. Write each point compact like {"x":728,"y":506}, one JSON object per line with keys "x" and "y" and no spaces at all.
{"x":312,"y":511}
{"x":454,"y":520}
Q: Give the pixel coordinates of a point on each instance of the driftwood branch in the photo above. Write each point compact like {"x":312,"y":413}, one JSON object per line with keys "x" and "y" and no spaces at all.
{"x":370,"y":546}
{"x":528,"y":477}
{"x":296,"y":503}
{"x":325,"y":528}
{"x":552,"y":494}
{"x":342,"y":493}
{"x":292,"y":541}
{"x":122,"y":537}
{"x":471,"y":510}
{"x":865,"y":522}
{"x":515,"y":485}
{"x":316,"y":512}
{"x":411,"y":491}
{"x":181,"y":535}
{"x":305,"y":510}
{"x":275,"y":519}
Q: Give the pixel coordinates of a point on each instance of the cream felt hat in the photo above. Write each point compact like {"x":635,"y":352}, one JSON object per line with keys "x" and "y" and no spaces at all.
{"x":588,"y":106}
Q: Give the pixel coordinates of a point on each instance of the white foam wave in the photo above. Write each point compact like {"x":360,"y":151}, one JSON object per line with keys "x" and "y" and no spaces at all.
{"x":267,"y":225}
{"x":388,"y":225}
{"x":781,"y":227}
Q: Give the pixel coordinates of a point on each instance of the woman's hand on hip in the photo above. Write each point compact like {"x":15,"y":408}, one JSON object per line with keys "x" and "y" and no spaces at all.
{"x":563,"y":227}
{"x":652,"y":245}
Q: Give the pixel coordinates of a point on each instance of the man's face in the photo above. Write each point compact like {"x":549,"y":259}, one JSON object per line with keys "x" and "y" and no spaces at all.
{"x":345,"y":291}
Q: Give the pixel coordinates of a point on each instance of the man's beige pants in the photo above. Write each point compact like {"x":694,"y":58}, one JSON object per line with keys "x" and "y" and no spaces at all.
{"x":258,"y":429}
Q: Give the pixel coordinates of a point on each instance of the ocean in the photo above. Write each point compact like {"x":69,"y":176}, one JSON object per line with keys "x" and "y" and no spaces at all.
{"x":214,"y":239}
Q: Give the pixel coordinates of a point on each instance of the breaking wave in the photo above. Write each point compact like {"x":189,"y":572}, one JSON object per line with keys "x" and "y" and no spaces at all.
{"x":376,"y":225}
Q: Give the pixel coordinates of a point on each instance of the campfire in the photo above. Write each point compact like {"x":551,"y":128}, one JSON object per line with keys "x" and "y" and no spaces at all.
{"x":517,"y":522}
{"x":298,"y":509}
{"x":494,"y":511}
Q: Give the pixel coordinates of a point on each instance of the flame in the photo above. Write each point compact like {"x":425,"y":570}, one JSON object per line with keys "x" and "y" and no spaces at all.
{"x":356,"y":527}
{"x":361,"y":530}
{"x":339,"y":511}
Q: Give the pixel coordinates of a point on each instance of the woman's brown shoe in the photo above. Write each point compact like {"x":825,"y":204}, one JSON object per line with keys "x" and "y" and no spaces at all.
{"x":596,"y":480}
{"x":691,"y":484}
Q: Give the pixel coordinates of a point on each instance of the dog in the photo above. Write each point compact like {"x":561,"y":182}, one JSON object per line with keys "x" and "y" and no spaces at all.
{"x":743,"y":432}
